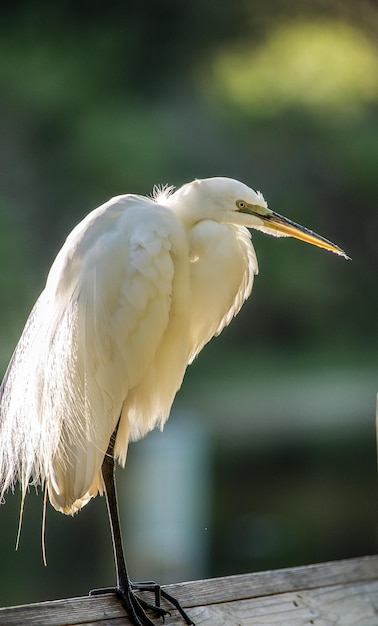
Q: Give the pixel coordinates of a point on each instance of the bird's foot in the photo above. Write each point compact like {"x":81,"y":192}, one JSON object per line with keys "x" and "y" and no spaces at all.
{"x":136,"y":606}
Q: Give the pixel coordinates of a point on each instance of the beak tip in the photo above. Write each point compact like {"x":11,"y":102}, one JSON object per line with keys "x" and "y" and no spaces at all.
{"x":341,"y":252}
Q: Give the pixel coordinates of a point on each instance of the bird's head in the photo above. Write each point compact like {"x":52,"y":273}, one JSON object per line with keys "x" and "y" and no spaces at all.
{"x":230,"y":201}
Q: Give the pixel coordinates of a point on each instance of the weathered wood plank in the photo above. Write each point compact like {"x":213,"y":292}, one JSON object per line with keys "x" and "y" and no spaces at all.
{"x":246,"y":586}
{"x":342,"y":593}
{"x":347,"y":605}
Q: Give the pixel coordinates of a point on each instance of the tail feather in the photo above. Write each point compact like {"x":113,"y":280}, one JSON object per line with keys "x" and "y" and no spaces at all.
{"x":49,"y":425}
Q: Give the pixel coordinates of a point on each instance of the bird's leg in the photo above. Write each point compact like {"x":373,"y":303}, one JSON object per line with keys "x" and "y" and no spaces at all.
{"x":125,"y":589}
{"x":132,"y":604}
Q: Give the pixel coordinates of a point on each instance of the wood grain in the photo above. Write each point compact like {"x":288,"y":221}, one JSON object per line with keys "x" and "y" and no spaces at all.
{"x":340,"y":593}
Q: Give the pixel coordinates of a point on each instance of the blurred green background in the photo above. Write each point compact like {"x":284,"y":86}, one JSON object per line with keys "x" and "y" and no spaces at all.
{"x":269,"y":457}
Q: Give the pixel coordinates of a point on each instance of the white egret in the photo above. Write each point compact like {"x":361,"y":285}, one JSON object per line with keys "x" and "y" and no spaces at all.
{"x":138,"y":288}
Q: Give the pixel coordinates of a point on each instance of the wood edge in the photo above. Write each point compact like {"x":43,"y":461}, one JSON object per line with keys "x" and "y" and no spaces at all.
{"x":269,"y":582}
{"x":219,"y":590}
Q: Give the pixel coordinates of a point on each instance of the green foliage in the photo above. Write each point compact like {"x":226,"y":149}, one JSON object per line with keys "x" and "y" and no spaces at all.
{"x":96,"y":104}
{"x":321,"y":67}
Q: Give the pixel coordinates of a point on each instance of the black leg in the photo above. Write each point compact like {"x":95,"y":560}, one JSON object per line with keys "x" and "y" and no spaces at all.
{"x":136,"y":607}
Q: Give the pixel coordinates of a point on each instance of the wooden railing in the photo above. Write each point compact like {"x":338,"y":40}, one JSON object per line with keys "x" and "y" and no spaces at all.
{"x":340,"y":593}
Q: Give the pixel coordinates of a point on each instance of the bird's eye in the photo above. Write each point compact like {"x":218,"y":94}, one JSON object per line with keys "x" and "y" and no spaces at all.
{"x":240,"y":204}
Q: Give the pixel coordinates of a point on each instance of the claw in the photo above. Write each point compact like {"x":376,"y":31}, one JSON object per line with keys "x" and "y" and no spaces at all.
{"x":136,"y":607}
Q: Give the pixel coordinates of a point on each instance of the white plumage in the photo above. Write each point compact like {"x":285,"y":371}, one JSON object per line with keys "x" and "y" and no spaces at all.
{"x":138,"y":288}
{"x":125,"y":308}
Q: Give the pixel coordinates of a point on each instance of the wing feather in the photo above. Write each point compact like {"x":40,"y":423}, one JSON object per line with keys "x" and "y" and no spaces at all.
{"x":90,"y":339}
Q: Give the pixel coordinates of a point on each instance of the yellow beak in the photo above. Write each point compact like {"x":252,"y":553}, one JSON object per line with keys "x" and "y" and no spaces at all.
{"x":287,"y":227}
{"x":276,"y":223}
